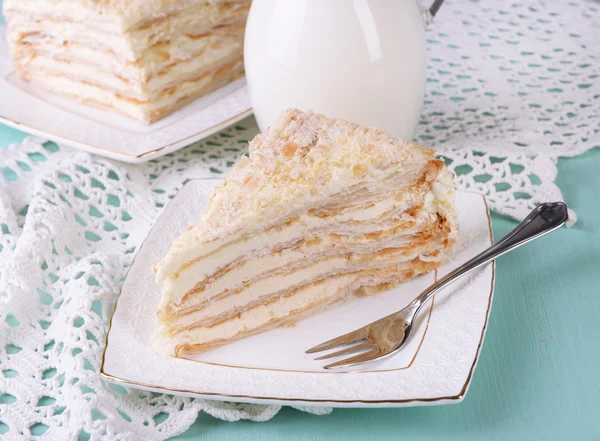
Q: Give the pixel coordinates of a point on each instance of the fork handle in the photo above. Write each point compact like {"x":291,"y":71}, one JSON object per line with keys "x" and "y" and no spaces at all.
{"x":542,"y":220}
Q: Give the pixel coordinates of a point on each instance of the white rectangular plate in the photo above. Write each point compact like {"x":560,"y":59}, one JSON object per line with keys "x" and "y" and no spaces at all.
{"x":435,"y":367}
{"x":109,"y":134}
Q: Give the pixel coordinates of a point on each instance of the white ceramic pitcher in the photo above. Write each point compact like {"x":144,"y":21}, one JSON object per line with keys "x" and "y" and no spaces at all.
{"x":361,"y":60}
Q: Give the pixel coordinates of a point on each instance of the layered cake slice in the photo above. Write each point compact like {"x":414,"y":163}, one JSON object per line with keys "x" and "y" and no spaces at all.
{"x":141,"y":58}
{"x":322,"y":209}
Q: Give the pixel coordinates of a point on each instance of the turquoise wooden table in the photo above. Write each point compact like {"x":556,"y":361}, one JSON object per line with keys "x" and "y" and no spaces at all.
{"x":537,"y":377}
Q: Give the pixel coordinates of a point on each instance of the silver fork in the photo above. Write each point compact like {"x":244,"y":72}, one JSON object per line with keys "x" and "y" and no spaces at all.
{"x":387,"y":335}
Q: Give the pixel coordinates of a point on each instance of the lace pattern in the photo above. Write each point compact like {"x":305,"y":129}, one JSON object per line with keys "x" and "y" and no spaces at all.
{"x":512,"y":86}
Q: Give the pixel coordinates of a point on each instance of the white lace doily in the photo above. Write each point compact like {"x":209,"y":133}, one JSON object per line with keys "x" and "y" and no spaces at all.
{"x":511,"y":87}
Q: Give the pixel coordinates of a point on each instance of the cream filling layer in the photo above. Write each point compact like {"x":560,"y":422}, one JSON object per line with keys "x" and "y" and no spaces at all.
{"x":310,"y":297}
{"x":306,"y":227}
{"x":266,"y":288}
{"x":210,"y":59}
{"x":251,"y":319}
{"x":144,"y":112}
{"x":190,"y":246}
{"x":158,"y":60}
{"x":265,"y":265}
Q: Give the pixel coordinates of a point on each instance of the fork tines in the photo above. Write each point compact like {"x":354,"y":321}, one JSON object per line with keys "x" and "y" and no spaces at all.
{"x":358,"y":342}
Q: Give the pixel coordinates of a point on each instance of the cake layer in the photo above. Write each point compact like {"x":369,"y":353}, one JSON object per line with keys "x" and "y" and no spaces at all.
{"x":146,"y":73}
{"x":429,"y":247}
{"x":299,"y":233}
{"x":218,"y":54}
{"x":199,"y":17}
{"x":190,"y":247}
{"x":294,"y":306}
{"x":118,"y":15}
{"x":148,"y":112}
{"x":371,"y":224}
{"x":143,"y":59}
{"x":339,"y":239}
{"x":325,"y":246}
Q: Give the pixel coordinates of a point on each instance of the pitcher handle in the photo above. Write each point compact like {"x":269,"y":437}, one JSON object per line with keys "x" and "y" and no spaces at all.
{"x":429,"y":13}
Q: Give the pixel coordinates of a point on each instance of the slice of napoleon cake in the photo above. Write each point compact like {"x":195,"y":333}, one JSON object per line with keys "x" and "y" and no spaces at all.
{"x":320,"y":210}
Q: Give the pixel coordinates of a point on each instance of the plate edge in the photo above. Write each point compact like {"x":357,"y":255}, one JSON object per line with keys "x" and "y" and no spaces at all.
{"x":314,"y":402}
{"x":133,"y":159}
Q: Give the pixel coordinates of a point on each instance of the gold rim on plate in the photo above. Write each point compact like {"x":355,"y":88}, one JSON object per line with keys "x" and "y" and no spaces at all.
{"x":215,"y":128}
{"x":458,"y":397}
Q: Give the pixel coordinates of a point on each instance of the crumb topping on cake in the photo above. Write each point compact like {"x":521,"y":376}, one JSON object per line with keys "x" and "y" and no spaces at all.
{"x":124,"y":13}
{"x":303,"y":157}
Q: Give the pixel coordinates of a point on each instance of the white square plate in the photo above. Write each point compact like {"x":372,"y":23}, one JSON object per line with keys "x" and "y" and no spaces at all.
{"x":435,"y":367}
{"x":109,"y":134}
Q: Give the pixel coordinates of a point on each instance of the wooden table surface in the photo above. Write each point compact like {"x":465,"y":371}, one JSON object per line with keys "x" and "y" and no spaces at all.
{"x":537,"y":377}
{"x":538,"y":374}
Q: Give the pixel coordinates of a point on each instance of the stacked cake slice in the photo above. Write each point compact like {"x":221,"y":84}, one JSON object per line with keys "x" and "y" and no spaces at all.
{"x":320,"y":210}
{"x":142,"y":58}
